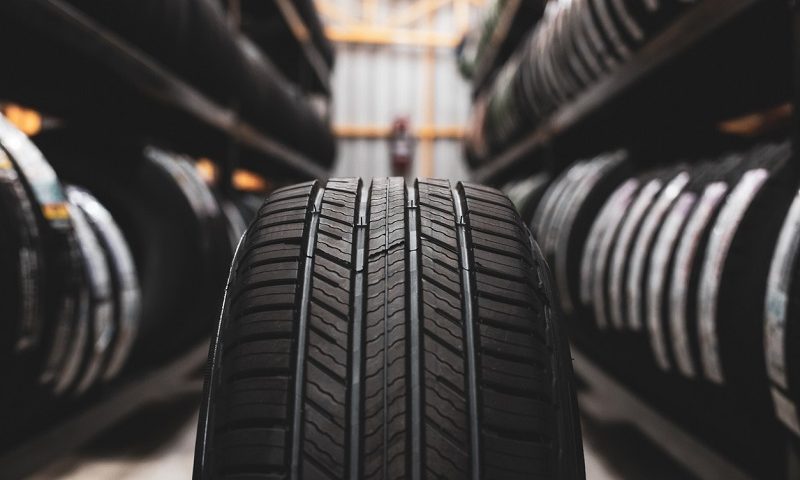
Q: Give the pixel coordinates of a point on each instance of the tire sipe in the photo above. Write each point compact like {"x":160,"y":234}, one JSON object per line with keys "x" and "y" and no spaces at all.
{"x":373,"y":329}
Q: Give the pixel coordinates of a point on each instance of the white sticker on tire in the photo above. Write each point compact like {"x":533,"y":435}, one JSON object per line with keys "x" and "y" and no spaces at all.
{"x":711,"y":274}
{"x":99,"y":282}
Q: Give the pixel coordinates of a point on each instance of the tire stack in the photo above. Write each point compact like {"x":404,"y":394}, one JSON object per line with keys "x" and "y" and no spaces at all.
{"x":194,"y":40}
{"x":577,"y":43}
{"x":683,"y":281}
{"x":565,"y":212}
{"x":71,"y":292}
{"x":94,"y":276}
{"x":473,"y":54}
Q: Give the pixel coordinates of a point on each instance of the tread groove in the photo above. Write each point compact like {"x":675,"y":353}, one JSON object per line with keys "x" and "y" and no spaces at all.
{"x":302,"y":323}
{"x":385,"y":456}
{"x":415,"y":353}
{"x":468,"y":309}
{"x":358,"y":306}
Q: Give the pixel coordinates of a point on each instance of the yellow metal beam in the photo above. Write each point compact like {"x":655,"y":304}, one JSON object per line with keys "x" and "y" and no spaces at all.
{"x":25,"y":119}
{"x":296,"y":24}
{"x":369,"y":10}
{"x":759,"y":123}
{"x":424,"y":132}
{"x":417,"y":11}
{"x":426,"y":159}
{"x":333,"y":13}
{"x":462,"y":16}
{"x":372,"y":35}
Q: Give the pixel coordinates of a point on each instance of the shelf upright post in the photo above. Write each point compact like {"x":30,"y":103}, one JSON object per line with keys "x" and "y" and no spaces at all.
{"x":794,"y":11}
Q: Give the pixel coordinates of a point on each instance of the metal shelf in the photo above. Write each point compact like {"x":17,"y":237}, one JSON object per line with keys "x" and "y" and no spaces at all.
{"x":68,"y":433}
{"x":517,"y":14}
{"x":698,"y":71}
{"x":302,"y":34}
{"x":128,"y":88}
{"x":608,"y":401}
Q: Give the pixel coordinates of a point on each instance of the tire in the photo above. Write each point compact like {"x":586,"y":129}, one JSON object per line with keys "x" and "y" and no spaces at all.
{"x":662,"y":258}
{"x":526,"y":194}
{"x":172,"y":223}
{"x":618,"y":258}
{"x":21,"y":283}
{"x":126,"y":294}
{"x":47,"y":341}
{"x":604,"y":175}
{"x":378,"y":330}
{"x":781,"y":312}
{"x":595,"y":253}
{"x":685,"y":272}
{"x":100,"y":312}
{"x":734,"y":272}
{"x":638,"y":268}
{"x":64,"y":295}
{"x":235,"y":224}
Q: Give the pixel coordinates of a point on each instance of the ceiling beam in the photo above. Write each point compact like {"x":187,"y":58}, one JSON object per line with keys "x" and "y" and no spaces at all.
{"x":372,"y":35}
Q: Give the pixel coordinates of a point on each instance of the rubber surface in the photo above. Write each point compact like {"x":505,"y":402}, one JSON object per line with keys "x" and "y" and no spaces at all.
{"x":21,"y":282}
{"x":378,"y":330}
{"x":100,"y":311}
{"x":126,"y":293}
{"x":172,"y":224}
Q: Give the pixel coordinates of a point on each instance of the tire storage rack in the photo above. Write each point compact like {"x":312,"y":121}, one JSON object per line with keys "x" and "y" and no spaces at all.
{"x":118,"y":91}
{"x":659,"y":183}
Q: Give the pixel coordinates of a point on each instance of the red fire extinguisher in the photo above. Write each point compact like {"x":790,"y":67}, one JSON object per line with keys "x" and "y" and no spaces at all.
{"x":401,"y":146}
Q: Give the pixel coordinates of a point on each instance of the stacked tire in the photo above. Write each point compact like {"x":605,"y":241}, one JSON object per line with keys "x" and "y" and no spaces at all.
{"x":575,"y":45}
{"x":94,"y":276}
{"x":194,"y":40}
{"x":683,"y":285}
{"x":175,"y":224}
{"x":376,"y":329}
{"x":70,"y":305}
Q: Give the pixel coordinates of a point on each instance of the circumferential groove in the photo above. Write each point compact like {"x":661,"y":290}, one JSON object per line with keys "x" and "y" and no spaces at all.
{"x":385,"y":459}
{"x":414,"y":343}
{"x":358,"y":312}
{"x":468,"y":312}
{"x":302,"y":334}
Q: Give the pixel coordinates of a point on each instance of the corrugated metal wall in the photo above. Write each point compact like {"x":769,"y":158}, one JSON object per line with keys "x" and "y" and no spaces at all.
{"x":374,"y":84}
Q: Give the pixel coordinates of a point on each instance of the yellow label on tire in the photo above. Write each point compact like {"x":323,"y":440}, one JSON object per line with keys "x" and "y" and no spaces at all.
{"x":55,"y":211}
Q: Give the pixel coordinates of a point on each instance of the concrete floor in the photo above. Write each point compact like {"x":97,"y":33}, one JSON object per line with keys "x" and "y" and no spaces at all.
{"x":130,"y":452}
